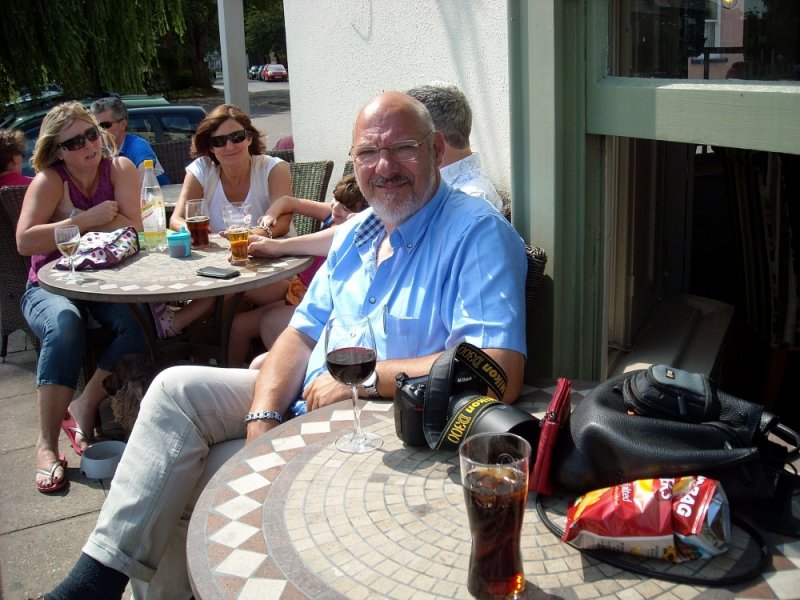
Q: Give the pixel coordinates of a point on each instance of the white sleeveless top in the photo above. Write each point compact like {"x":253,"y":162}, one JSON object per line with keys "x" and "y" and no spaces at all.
{"x":207,"y":173}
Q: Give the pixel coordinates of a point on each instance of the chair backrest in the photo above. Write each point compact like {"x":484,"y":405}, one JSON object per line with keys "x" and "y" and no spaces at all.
{"x":537,"y":261}
{"x":309,"y":180}
{"x":174,"y":156}
{"x":287,"y":155}
{"x":348,"y":168}
{"x":13,"y":267}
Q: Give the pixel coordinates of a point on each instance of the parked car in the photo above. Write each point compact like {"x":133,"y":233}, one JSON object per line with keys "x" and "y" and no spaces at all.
{"x":151,"y":117}
{"x":254,"y":71}
{"x":274,"y":73}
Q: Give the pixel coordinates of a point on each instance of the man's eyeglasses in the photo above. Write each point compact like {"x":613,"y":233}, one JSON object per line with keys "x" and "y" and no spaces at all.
{"x":107,"y":124}
{"x":79,"y":141}
{"x":367,"y":156}
{"x":237,"y":137}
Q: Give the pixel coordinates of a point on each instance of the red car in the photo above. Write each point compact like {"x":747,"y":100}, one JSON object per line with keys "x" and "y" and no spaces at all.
{"x":274,"y":73}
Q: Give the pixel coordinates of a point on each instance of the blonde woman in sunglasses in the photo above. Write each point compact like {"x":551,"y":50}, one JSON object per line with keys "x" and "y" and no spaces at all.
{"x":77,"y":183}
{"x":230,"y":168}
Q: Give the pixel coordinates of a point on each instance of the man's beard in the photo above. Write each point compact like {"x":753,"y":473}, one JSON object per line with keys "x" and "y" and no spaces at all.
{"x":392,"y":209}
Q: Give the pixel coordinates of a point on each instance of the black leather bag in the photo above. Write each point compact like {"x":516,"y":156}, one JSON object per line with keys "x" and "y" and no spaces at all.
{"x":607,"y":444}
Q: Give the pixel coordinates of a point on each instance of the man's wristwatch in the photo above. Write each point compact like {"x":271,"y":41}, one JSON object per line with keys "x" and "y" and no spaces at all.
{"x":371,"y":386}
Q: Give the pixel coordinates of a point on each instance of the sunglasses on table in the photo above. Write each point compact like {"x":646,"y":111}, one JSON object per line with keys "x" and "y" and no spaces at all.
{"x":237,"y":137}
{"x":79,"y":141}
{"x":107,"y":124}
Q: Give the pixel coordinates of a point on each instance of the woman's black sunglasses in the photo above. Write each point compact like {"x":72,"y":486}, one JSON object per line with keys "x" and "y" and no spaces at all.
{"x":237,"y":137}
{"x":79,"y":141}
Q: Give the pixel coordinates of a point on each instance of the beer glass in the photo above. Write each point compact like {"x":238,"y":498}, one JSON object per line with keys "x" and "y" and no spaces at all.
{"x":197,"y":222}
{"x":237,"y":230}
{"x":494,"y":475}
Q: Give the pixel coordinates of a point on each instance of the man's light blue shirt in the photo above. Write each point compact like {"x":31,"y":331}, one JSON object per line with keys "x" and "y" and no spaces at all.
{"x":457,"y":273}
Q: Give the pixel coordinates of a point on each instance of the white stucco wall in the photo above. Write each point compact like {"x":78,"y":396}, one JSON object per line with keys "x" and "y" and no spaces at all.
{"x":343,"y":52}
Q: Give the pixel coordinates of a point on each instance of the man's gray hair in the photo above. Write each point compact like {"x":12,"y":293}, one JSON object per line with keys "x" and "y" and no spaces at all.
{"x":115,"y":105}
{"x":449,"y":109}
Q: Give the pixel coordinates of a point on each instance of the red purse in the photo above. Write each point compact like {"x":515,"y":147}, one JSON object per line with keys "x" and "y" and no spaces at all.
{"x":557,"y":413}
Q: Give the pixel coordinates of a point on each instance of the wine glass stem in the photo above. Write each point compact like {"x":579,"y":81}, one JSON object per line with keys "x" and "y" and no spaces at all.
{"x":357,"y":434}
{"x":71,"y":266}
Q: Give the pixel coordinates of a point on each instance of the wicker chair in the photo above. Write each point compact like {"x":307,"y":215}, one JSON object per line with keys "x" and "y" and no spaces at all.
{"x":309,"y":180}
{"x":537,"y":261}
{"x":287,"y":155}
{"x":14,"y":268}
{"x":174,"y":157}
{"x":348,"y":168}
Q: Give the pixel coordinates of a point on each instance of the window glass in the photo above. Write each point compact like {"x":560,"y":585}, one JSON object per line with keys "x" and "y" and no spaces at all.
{"x":177,"y":127}
{"x":709,"y":39}
{"x":142,"y":127}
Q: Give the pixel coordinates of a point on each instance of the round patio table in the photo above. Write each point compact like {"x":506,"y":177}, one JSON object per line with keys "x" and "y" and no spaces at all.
{"x":289,"y":516}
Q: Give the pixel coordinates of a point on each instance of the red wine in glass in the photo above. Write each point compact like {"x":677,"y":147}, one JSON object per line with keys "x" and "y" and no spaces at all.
{"x":350,"y":357}
{"x":351,"y":366}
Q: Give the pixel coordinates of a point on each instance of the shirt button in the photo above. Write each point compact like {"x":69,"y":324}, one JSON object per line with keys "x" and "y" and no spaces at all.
{"x":372,"y":300}
{"x":409,"y":246}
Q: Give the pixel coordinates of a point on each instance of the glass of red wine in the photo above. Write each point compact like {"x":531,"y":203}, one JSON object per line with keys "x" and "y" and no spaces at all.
{"x":350,"y":357}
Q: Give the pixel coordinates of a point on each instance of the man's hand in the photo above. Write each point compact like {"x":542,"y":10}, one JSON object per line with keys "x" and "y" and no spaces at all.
{"x":325,"y":390}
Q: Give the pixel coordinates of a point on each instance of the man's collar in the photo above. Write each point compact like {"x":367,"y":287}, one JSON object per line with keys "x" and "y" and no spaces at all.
{"x":411,"y":229}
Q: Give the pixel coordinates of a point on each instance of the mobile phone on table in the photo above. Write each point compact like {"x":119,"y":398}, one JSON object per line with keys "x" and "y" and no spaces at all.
{"x":218,"y":272}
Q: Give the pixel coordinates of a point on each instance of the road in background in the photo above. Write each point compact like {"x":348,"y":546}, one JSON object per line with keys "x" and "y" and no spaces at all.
{"x":269,"y":107}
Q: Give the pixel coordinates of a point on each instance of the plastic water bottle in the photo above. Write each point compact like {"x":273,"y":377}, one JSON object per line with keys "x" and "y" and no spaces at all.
{"x":154,"y":217}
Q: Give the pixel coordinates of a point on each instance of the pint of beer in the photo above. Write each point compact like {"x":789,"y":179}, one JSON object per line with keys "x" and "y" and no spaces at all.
{"x":197,"y":222}
{"x":494,"y":475}
{"x":238,"y":239}
{"x":237,"y":230}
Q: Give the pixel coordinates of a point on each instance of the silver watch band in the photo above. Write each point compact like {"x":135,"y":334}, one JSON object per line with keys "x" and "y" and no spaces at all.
{"x":371,"y":386}
{"x":266,"y":414}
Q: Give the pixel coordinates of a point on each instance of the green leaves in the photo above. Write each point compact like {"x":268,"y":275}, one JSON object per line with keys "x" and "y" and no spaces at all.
{"x":84,"y":47}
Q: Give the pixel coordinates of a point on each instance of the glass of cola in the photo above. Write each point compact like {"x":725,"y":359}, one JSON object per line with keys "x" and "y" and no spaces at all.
{"x":494,"y":475}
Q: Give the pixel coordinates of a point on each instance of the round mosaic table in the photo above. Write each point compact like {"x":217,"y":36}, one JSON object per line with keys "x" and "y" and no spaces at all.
{"x":151,"y":277}
{"x":290,"y":517}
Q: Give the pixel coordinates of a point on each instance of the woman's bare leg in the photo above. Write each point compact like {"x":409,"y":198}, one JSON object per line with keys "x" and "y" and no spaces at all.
{"x":53,"y":401}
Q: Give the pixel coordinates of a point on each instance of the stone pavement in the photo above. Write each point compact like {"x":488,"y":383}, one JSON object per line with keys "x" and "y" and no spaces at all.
{"x":41,"y":535}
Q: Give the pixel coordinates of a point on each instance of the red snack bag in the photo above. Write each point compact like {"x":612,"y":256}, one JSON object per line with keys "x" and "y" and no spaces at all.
{"x":672,"y":519}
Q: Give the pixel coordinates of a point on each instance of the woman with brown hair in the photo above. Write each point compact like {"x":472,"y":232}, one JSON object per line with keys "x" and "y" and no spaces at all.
{"x":230,"y":168}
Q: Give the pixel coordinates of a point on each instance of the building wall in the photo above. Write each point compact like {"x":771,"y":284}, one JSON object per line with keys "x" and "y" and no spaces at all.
{"x":343,"y":52}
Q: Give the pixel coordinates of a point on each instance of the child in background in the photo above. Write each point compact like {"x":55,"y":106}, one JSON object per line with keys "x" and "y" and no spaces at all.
{"x":273,"y":318}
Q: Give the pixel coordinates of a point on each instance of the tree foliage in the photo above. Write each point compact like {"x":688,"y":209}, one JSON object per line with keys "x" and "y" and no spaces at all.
{"x":265,"y":31}
{"x":83,"y":47}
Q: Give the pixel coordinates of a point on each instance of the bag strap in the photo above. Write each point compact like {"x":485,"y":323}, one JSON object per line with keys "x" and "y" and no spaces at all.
{"x":623,"y":561}
{"x":443,"y":373}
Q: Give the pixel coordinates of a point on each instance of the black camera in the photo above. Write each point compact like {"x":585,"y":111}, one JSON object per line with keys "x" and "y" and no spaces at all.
{"x":442,"y":409}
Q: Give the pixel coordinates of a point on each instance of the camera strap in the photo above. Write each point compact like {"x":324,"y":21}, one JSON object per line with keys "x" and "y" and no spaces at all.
{"x":447,"y":369}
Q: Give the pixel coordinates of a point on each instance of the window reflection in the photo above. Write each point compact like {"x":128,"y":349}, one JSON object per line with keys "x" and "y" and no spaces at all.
{"x":708,"y":39}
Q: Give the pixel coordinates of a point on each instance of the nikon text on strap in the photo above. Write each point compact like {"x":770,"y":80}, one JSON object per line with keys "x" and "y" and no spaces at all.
{"x":462,"y":361}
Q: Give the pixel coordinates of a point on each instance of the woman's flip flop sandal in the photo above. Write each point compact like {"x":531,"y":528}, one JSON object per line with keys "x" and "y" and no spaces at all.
{"x":71,"y":429}
{"x":53,"y":486}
